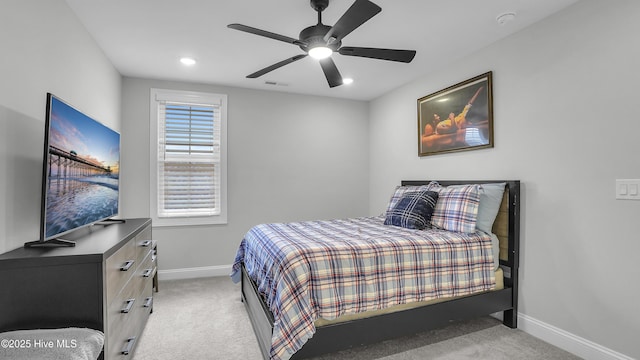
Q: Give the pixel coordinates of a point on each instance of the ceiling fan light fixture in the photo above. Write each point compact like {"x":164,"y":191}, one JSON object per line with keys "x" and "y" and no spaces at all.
{"x":320,"y":52}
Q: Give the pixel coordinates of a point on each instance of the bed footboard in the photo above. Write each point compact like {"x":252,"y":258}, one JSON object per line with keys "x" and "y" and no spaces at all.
{"x":372,"y":330}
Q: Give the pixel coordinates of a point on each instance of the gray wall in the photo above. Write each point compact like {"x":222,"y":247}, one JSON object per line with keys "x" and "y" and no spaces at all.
{"x":290,"y":157}
{"x":44,"y":48}
{"x":566,"y":125}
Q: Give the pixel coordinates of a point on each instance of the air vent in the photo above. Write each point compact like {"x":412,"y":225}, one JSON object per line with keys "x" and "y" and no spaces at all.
{"x":275,"y":83}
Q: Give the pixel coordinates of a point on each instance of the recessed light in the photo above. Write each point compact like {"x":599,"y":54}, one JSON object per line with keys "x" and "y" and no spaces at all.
{"x":347,"y":81}
{"x":188,"y":61}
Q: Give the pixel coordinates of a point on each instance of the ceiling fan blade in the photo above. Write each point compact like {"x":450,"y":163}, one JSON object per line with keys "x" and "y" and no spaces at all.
{"x":356,"y":15}
{"x":331,"y":72}
{"x":265,"y":33}
{"x":383,"y":54}
{"x":276,"y":65}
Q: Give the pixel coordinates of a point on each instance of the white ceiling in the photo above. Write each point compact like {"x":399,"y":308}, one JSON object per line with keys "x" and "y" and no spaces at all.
{"x":145,"y":38}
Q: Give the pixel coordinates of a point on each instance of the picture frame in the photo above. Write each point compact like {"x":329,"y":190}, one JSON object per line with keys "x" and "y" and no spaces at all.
{"x":458,"y":118}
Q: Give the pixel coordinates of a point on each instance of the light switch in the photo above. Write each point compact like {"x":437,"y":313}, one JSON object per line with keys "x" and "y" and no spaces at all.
{"x":628,"y":189}
{"x":622,"y":189}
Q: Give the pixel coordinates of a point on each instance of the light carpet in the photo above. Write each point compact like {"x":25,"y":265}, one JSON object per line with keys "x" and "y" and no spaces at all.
{"x":205,"y":319}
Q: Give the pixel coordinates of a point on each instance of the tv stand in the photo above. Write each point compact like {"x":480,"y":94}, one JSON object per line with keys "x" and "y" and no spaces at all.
{"x":105,"y":282}
{"x":50,"y":243}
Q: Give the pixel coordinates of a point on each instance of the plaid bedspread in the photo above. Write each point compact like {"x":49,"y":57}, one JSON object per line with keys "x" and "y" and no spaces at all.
{"x":324,"y":269}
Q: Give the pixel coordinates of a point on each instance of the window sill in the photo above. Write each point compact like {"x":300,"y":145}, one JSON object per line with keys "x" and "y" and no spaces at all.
{"x":189,"y":221}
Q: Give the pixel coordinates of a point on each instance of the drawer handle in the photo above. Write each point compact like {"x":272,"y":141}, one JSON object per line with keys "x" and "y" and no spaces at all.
{"x":127,"y":308}
{"x":148,"y":302}
{"x":128,"y":346}
{"x":147,"y":273}
{"x":127,"y":265}
{"x":146,"y":243}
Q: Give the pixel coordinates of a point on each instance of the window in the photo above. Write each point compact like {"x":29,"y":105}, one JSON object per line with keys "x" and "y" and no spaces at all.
{"x":188,"y":158}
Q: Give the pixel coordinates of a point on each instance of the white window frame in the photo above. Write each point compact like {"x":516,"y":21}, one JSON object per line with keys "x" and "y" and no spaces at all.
{"x":189,"y":97}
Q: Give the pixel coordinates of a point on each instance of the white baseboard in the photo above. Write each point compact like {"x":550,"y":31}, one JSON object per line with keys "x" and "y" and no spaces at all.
{"x":574,"y":344}
{"x":192,"y":273}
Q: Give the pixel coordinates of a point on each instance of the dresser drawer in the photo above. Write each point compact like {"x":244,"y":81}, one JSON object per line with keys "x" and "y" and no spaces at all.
{"x":123,"y":313}
{"x":123,"y":343}
{"x":146,"y":306}
{"x":147,"y":267}
{"x":124,"y":329}
{"x":137,"y":257}
{"x":120,"y":310}
{"x":123,"y":346}
{"x":143,"y":243}
{"x":119,"y":268}
{"x":123,"y":340}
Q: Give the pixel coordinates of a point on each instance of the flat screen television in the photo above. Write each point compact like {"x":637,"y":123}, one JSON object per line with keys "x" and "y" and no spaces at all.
{"x":81,"y":171}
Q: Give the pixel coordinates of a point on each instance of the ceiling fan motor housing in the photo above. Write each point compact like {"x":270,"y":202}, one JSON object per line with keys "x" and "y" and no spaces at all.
{"x":313,"y":36}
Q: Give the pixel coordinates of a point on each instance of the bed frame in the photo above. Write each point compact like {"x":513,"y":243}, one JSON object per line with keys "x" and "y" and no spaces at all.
{"x":344,"y":335}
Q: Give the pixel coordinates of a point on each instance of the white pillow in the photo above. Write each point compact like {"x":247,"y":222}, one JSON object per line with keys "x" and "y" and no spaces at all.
{"x":490,"y":200}
{"x":51,"y":344}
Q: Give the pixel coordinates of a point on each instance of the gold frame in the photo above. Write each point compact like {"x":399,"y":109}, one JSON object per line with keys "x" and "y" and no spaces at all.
{"x":470,"y":129}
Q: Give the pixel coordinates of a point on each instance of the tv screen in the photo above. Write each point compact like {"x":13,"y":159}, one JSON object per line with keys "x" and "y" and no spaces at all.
{"x":81,"y":170}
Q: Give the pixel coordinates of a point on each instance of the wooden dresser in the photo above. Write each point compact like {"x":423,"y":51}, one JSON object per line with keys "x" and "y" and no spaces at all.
{"x":105,"y":282}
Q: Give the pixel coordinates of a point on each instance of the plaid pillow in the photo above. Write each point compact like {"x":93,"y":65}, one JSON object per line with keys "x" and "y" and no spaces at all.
{"x":413,"y":210}
{"x":401,"y":190}
{"x":457,"y":208}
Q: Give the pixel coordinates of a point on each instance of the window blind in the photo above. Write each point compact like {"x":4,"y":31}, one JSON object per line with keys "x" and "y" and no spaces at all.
{"x":188,"y":159}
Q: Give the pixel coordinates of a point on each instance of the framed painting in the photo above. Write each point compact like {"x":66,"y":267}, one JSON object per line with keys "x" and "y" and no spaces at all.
{"x":457,"y":118}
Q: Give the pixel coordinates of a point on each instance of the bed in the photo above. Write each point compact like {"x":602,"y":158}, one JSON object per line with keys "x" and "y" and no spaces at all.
{"x":301,"y":306}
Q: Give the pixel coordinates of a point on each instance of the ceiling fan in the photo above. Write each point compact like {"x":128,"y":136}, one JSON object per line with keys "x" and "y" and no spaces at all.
{"x":321,"y":41}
